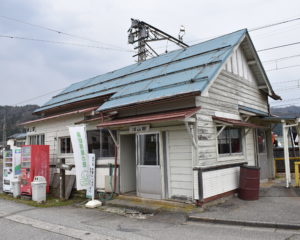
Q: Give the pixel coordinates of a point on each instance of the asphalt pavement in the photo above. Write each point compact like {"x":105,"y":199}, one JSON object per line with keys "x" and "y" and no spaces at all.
{"x":18,"y":221}
{"x":277,"y":207}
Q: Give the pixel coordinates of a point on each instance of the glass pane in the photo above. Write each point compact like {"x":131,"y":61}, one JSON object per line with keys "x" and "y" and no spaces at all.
{"x":94,"y":142}
{"x":236,"y":141}
{"x":107,"y":144}
{"x":223,"y":142}
{"x":261,"y":140}
{"x":148,"y":149}
{"x":62,"y":145}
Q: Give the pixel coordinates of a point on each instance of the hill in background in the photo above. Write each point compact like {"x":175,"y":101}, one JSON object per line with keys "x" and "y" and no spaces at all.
{"x":14,"y":116}
{"x":291,"y":111}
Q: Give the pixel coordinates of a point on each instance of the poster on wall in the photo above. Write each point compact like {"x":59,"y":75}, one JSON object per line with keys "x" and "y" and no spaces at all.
{"x":81,"y":157}
{"x":90,"y":192}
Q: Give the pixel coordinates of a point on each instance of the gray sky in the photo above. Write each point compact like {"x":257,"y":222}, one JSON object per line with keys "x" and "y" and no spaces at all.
{"x":30,"y":69}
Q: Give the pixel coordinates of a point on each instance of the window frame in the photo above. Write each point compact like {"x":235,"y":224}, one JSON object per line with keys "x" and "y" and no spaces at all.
{"x":231,"y":156}
{"x":100,"y":131}
{"x":39,"y":139}
{"x":60,"y":145}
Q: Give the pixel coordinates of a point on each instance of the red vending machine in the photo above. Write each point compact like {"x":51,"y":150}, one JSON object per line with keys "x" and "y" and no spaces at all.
{"x":34,"y":162}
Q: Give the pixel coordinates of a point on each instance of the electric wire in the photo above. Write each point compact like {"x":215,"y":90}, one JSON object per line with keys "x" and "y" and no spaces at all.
{"x":279,"y":46}
{"x":280,"y":68}
{"x":273,"y":24}
{"x":282,"y":58}
{"x":61,"y":42}
{"x":251,"y":29}
{"x":37,"y":97}
{"x":59,"y":32}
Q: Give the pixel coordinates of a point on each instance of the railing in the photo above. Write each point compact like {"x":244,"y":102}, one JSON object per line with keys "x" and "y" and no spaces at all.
{"x":279,"y":167}
{"x":294,"y":167}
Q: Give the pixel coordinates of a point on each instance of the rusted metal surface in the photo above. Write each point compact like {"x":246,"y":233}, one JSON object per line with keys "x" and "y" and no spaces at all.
{"x":233,"y":122}
{"x":60,"y":115}
{"x":172,"y":115}
{"x":249,"y":183}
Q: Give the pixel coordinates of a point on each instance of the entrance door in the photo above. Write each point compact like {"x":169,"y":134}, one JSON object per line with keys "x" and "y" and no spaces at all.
{"x":262,"y":154}
{"x":148,"y":166}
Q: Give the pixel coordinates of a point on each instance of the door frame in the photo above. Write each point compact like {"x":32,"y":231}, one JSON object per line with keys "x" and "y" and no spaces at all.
{"x":159,"y":165}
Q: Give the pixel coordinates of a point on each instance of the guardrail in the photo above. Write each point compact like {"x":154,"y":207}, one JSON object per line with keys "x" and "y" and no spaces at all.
{"x":295,"y":165}
{"x":279,"y":167}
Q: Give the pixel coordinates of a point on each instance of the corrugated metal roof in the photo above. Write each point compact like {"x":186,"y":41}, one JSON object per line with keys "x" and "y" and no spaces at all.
{"x":233,"y":122}
{"x":156,"y":117}
{"x":252,"y":110}
{"x":181,"y":71}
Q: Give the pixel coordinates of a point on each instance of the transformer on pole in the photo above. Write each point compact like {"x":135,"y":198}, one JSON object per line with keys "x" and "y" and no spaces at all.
{"x":143,"y":33}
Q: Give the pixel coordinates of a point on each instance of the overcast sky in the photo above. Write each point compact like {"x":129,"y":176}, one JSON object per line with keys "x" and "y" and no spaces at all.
{"x":29,"y":69}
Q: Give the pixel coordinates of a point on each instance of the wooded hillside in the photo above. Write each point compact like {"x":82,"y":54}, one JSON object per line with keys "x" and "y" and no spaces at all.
{"x":14,"y":116}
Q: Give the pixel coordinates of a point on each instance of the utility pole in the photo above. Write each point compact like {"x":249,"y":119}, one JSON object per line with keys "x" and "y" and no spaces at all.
{"x":4,"y":129}
{"x":143,"y":33}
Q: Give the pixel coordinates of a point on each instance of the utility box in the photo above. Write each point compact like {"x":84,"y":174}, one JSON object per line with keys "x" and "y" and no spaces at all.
{"x":38,"y":186}
{"x":16,"y":188}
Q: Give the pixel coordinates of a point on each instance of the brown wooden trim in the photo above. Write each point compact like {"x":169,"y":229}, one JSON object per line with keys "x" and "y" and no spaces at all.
{"x":200,"y":203}
{"x":157,"y":101}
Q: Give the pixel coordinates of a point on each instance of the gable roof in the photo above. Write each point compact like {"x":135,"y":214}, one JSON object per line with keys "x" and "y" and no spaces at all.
{"x":178,"y":72}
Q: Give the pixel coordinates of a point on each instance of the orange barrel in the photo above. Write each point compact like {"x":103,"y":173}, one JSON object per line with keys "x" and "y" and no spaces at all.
{"x":249,"y":183}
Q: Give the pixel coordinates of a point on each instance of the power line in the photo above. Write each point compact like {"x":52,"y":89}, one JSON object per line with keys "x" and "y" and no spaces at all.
{"x":59,"y":31}
{"x":250,"y":29}
{"x":282,"y":58}
{"x":61,"y":42}
{"x":37,"y":97}
{"x":273,"y":24}
{"x":279,"y":46}
{"x":275,"y":69}
{"x":295,"y":80}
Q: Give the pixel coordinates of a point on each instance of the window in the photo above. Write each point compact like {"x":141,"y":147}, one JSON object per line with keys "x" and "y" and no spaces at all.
{"x":261,"y":141}
{"x":37,"y":139}
{"x":148,"y":145}
{"x":65,"y":145}
{"x":101,"y":143}
{"x":230,"y":141}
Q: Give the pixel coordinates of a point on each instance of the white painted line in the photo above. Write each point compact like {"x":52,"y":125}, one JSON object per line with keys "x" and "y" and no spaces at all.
{"x":55,"y":228}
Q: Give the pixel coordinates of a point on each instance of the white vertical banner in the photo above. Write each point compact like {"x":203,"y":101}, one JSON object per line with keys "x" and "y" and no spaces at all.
{"x":16,"y":161}
{"x":90,"y":192}
{"x":81,"y":157}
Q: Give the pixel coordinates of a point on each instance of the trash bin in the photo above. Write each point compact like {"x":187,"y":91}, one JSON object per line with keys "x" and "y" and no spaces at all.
{"x":249,"y":183}
{"x":38,"y":186}
{"x":16,"y":190}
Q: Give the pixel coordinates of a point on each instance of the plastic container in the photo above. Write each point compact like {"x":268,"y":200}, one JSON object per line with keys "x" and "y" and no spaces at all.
{"x":16,"y":188}
{"x":38,"y":185}
{"x":249,"y":183}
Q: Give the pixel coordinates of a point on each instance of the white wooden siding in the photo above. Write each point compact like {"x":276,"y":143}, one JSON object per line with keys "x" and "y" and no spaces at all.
{"x":234,"y":86}
{"x":220,"y":181}
{"x":57,"y":128}
{"x":180,"y":164}
{"x":237,"y":64}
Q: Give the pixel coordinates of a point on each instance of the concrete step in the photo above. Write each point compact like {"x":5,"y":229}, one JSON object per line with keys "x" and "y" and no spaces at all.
{"x":149,"y":205}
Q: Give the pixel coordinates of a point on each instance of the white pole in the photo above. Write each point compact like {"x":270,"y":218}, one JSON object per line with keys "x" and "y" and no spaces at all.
{"x":286,"y":154}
